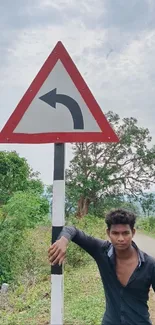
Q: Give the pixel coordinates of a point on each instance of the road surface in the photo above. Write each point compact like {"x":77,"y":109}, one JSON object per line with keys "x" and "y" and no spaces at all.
{"x":145,"y":243}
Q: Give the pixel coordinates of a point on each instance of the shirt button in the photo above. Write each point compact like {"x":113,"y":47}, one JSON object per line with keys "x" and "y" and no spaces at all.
{"x":122,"y":320}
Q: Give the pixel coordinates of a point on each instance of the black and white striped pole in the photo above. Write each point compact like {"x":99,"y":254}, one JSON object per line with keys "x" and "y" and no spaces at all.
{"x":58,"y":221}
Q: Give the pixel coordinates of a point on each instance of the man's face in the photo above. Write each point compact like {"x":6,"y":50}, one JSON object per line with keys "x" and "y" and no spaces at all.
{"x":121,"y":236}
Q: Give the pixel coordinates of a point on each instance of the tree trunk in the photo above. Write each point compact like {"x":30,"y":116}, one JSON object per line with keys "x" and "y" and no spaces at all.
{"x":78,"y":213}
{"x":83,"y":206}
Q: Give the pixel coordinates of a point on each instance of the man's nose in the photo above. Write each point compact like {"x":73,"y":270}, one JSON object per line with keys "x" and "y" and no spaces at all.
{"x":120,"y":238}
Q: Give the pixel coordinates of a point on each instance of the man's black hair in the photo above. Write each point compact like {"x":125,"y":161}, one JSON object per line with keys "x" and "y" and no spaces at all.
{"x":120,"y":216}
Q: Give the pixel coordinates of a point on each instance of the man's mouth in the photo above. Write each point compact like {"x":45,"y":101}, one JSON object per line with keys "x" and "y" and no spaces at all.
{"x":121,"y":245}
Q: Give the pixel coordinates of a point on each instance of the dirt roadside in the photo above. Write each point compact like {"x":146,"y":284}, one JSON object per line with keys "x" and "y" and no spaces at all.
{"x":147,"y":244}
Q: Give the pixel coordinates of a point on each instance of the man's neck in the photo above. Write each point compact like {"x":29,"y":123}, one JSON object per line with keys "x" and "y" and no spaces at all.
{"x":125,"y":254}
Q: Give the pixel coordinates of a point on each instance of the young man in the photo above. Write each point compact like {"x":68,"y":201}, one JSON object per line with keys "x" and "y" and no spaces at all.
{"x":127,"y":273}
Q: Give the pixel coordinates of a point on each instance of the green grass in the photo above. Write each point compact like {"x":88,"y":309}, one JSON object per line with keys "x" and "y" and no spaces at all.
{"x":30,"y":304}
{"x":84,"y":299}
{"x":146,"y":225}
{"x":28,"y":301}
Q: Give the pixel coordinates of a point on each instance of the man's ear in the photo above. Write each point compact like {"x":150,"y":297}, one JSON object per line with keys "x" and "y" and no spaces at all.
{"x":133,"y":231}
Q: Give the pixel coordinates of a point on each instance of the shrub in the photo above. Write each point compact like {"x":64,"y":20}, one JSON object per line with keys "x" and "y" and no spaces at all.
{"x":23,"y":211}
{"x":147,"y":224}
{"x":91,"y":225}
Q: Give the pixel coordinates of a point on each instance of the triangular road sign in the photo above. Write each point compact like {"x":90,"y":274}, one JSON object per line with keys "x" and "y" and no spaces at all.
{"x":58,"y":107}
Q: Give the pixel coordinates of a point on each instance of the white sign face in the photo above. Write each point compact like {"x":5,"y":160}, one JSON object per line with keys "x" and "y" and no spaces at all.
{"x":41,"y":117}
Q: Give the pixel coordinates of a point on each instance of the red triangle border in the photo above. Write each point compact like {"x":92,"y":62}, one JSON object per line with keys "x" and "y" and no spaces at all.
{"x":58,"y":53}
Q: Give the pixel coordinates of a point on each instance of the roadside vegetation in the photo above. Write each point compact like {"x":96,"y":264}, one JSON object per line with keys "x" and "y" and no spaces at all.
{"x":100,"y":177}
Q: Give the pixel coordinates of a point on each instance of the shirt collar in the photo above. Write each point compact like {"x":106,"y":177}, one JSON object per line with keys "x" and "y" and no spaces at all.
{"x":111,"y":253}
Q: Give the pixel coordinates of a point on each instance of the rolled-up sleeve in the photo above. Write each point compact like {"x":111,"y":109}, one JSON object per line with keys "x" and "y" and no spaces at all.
{"x":90,"y":244}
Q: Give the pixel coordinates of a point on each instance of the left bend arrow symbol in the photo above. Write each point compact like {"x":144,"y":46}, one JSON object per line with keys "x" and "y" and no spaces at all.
{"x":52,"y":98}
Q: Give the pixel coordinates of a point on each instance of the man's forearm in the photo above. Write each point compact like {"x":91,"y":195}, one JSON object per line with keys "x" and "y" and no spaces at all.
{"x":68,"y":233}
{"x":88,"y":243}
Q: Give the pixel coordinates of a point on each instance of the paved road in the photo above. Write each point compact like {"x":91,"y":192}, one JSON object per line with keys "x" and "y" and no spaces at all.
{"x":145,"y":243}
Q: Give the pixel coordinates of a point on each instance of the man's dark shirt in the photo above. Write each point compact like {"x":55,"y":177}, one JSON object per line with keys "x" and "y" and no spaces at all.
{"x":125,"y":305}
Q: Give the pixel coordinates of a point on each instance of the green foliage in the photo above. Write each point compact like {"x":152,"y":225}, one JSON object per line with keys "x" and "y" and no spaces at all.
{"x":147,"y":224}
{"x":16,"y":175}
{"x":23,"y":211}
{"x":28,"y":301}
{"x":22,"y":207}
{"x":130,"y":206}
{"x":147,"y":202}
{"x":26,"y":209}
{"x":16,"y":255}
{"x":35,"y":185}
{"x":87,"y":305}
{"x":123,"y":168}
{"x":108,"y":202}
{"x":76,"y":256}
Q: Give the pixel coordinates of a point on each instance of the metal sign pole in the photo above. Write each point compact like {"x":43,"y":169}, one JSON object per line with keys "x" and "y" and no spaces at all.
{"x":58,"y":221}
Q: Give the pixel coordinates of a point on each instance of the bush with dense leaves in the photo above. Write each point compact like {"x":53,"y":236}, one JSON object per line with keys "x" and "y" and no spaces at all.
{"x":23,"y":211}
{"x":16,"y":175}
{"x":147,"y":224}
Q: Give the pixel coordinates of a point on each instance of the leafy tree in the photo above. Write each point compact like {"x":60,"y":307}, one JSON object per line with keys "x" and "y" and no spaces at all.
{"x":16,"y":175}
{"x":27,"y":208}
{"x":147,"y":202}
{"x":35,"y":185}
{"x":108,"y":202}
{"x":124,"y":168}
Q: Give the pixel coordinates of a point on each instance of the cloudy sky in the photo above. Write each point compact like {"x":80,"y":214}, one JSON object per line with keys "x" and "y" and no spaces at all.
{"x":112,"y":42}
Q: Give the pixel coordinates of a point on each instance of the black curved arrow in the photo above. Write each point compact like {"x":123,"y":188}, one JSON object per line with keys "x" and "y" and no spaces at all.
{"x":52,"y":98}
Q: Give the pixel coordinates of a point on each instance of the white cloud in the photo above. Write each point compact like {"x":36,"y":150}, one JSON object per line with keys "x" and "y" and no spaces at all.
{"x":116,"y":62}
